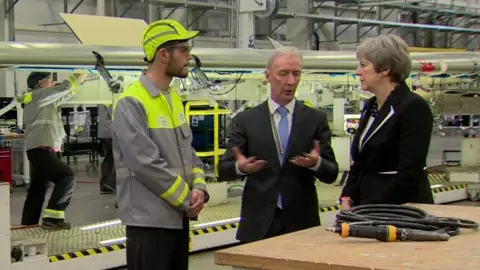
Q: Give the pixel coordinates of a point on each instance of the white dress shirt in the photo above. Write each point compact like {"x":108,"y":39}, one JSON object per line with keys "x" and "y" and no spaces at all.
{"x":273,"y":106}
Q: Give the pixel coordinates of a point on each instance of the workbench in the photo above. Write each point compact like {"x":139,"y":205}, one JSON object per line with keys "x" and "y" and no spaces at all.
{"x":318,"y":249}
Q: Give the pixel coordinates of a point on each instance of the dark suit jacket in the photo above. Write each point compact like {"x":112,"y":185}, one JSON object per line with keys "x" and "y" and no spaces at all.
{"x":398,"y":141}
{"x":252,"y":133}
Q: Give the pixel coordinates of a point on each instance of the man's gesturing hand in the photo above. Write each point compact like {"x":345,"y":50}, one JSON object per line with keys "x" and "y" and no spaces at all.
{"x":196,"y":203}
{"x":248,"y":165}
{"x":308,"y":160}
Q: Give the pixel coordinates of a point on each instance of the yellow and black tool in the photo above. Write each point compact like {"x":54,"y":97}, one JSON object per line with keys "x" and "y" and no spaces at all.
{"x":387,"y":233}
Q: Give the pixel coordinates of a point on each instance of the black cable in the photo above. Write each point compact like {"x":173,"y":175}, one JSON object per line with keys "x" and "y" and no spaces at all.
{"x":403,"y":216}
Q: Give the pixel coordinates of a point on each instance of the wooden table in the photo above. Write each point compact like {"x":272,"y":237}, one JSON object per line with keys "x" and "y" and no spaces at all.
{"x":318,"y":249}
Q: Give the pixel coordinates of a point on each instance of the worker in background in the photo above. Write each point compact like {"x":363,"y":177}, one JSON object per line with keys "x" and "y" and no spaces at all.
{"x":161,"y":182}
{"x":390,"y":148}
{"x":107,"y":178}
{"x":281,"y":146}
{"x":44,"y":134}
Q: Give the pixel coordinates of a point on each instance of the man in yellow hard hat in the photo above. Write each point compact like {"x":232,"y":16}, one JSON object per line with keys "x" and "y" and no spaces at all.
{"x":160,"y":180}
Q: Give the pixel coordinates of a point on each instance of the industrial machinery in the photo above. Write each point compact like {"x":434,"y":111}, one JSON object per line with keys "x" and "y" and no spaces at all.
{"x":449,"y":93}
{"x":225,"y":77}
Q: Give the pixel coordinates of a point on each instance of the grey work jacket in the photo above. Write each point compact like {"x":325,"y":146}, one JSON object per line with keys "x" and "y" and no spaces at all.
{"x":155,"y":163}
{"x":104,"y":121}
{"x":42,"y":118}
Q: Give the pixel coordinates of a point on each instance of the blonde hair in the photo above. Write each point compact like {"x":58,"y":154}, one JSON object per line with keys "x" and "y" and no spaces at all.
{"x":284,"y":51}
{"x":387,"y":52}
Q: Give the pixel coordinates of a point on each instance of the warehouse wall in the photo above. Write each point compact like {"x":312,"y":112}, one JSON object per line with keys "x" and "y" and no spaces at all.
{"x":38,"y":21}
{"x":32,"y":19}
{"x":348,"y":39}
{"x":442,"y":39}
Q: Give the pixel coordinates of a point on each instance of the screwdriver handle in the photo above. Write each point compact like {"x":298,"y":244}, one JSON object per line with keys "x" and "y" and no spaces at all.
{"x":385,"y":233}
{"x":388,"y":233}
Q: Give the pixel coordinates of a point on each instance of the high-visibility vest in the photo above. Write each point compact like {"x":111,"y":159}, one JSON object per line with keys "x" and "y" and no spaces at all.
{"x":181,"y":170}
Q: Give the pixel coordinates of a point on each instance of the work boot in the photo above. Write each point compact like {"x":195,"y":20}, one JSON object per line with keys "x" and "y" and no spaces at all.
{"x":106,"y":189}
{"x":55,"y":224}
{"x":106,"y":192}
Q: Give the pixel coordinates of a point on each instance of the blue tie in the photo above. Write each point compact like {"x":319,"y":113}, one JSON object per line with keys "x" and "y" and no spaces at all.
{"x":283,"y":133}
{"x":283,"y":128}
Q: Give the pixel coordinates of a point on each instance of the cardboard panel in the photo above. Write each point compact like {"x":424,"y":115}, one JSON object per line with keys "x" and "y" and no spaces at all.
{"x":108,"y":31}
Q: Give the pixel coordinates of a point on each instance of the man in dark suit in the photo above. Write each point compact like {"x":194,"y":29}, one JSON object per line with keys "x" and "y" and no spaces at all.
{"x":280,"y":146}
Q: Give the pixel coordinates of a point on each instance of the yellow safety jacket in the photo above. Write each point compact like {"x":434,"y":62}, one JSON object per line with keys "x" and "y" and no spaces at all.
{"x":155,"y":163}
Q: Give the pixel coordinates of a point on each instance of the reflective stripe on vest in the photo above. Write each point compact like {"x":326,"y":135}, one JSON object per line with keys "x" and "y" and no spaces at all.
{"x":198,"y":176}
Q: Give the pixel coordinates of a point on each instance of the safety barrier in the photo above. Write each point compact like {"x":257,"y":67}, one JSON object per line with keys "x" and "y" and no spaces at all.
{"x":217,"y":152}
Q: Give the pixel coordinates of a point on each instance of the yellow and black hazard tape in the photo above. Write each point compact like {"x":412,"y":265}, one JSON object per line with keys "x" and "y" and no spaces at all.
{"x":445,"y":189}
{"x":214,"y":229}
{"x":235,"y":225}
{"x":330,"y":208}
{"x":86,"y":252}
{"x":203,"y":231}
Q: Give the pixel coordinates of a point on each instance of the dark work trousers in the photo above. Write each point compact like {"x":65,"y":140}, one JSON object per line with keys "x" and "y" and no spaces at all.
{"x":277,"y":227}
{"x":46,"y":166}
{"x":157,"y":248}
{"x":108,"y":178}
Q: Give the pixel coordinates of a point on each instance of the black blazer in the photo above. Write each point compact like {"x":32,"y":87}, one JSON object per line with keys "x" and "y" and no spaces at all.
{"x":391,"y":167}
{"x":252,"y":133}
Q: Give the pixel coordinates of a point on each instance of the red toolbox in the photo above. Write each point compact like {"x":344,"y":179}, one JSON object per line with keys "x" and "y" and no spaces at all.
{"x":6,"y":166}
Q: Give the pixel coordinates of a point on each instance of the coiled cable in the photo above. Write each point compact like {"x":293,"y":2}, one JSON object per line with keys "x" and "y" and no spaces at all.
{"x":403,"y":216}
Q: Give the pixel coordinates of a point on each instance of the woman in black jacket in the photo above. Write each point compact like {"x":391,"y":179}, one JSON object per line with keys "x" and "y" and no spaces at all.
{"x":390,"y":147}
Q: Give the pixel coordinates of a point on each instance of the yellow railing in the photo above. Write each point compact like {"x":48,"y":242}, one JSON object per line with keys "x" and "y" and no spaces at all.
{"x":217,"y":152}
{"x":308,"y":103}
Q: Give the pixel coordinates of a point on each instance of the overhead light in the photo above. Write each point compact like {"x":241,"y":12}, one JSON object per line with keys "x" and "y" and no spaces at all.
{"x":113,"y":241}
{"x":17,"y":45}
{"x":452,"y":92}
{"x":98,"y":226}
{"x":469,"y":95}
{"x":216,"y":223}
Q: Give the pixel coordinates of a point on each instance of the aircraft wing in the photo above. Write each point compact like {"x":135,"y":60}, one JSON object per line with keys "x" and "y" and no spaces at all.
{"x":107,"y":31}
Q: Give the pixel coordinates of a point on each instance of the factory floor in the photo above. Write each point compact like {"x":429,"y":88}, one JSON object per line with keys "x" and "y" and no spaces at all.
{"x":87,"y":197}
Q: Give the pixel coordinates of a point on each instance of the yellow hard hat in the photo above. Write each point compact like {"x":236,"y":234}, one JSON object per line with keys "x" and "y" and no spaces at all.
{"x":161,"y":31}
